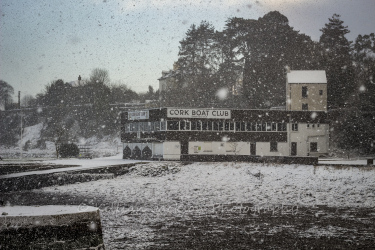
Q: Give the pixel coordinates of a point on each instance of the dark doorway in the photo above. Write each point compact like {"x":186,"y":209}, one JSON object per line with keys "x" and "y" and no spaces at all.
{"x":184,"y":147}
{"x":136,"y":153}
{"x":293,"y":150}
{"x":253,"y":148}
{"x":146,"y":153}
{"x":126,"y":153}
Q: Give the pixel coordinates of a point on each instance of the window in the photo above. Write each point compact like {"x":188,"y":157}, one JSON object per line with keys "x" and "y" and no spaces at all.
{"x":308,"y":125}
{"x":304,"y":92}
{"x":274,"y":127}
{"x":187,"y":125}
{"x":320,"y":92}
{"x":163,"y":126}
{"x":134,"y":127}
{"x":281,"y":126}
{"x":248,"y":126}
{"x":305,"y":106}
{"x":229,"y":126}
{"x":295,"y":127}
{"x":313,"y":147}
{"x":196,"y":125}
{"x":193,"y":125}
{"x":141,"y":126}
{"x":221,"y":126}
{"x":264,"y":126}
{"x":172,"y":125}
{"x":253,"y":126}
{"x":238,"y":126}
{"x":156,"y":126}
{"x":243,"y":126}
{"x":216,"y":126}
{"x":148,"y":126}
{"x":206,"y":125}
{"x":259,"y":126}
{"x":273,"y":146}
{"x":184,"y":125}
{"x":269,"y":126}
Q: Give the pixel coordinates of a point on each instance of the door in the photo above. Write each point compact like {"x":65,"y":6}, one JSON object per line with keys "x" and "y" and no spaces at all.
{"x":253,"y":148}
{"x":293,"y":150}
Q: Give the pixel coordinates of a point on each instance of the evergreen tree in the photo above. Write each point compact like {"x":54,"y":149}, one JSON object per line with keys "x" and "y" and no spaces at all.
{"x":364,"y":49}
{"x":272,"y":45}
{"x":196,"y":65}
{"x":337,"y":63}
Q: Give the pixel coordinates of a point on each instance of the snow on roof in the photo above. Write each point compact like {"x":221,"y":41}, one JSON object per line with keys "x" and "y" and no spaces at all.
{"x":307,"y":76}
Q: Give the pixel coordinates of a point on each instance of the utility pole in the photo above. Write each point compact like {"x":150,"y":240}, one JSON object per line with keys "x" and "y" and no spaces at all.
{"x":19,"y":99}
{"x":19,"y":106}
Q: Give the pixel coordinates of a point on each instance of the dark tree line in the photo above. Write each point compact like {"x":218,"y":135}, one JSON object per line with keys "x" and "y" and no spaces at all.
{"x":259,"y":52}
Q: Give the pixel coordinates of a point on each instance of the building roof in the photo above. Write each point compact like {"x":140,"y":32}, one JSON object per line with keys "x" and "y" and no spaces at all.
{"x":307,"y":76}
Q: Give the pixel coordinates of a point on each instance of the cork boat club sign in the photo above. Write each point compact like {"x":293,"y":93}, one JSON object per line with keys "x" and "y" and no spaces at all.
{"x":199,"y":113}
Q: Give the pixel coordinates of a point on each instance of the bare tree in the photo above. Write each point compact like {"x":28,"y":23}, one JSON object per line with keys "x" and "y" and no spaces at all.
{"x":27,"y":101}
{"x":99,"y":75}
{"x":6,"y":92}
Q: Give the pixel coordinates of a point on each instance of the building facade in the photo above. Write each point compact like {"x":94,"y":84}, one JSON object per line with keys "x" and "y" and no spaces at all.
{"x":191,"y":134}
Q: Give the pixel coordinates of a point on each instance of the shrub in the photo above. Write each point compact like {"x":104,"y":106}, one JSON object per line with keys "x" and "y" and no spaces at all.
{"x":27,"y":145}
{"x":68,"y":150}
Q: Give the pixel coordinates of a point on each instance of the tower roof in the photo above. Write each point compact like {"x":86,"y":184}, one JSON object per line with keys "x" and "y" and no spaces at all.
{"x":307,"y":76}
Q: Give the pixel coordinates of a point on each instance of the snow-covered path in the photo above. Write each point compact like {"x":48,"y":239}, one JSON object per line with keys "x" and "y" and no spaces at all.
{"x":82,"y":164}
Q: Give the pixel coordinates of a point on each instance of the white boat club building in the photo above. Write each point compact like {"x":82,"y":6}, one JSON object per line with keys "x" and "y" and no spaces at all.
{"x":197,"y":134}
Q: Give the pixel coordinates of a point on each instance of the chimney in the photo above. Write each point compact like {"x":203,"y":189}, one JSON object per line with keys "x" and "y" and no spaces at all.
{"x":287,"y":69}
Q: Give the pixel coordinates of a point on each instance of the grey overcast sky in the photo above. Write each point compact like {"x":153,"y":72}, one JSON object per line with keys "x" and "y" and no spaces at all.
{"x":46,"y":40}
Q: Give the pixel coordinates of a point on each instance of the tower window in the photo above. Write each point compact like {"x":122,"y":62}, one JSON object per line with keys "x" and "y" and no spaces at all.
{"x":295,"y":127}
{"x":305,"y":106}
{"x":320,"y":92}
{"x":304,"y":92}
{"x":313,"y":147}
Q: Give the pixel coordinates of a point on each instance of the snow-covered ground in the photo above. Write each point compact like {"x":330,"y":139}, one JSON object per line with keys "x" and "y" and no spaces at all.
{"x":130,"y":203}
{"x":206,"y":184}
{"x":174,"y":194}
{"x":107,"y":146}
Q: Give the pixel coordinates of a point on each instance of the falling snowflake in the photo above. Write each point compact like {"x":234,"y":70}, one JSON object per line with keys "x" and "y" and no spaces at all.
{"x":93,"y":226}
{"x":222,"y":93}
{"x":225,"y":138}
